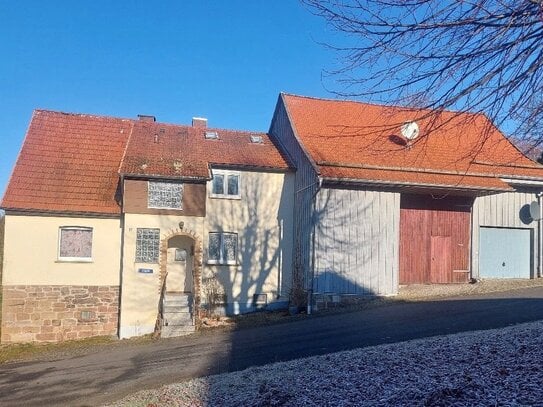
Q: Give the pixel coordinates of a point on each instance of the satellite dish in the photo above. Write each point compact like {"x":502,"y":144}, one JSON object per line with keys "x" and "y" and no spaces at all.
{"x":535,"y":210}
{"x":410,"y":130}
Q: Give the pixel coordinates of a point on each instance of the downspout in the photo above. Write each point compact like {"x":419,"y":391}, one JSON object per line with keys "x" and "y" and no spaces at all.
{"x":540,"y":235}
{"x":312,"y":279}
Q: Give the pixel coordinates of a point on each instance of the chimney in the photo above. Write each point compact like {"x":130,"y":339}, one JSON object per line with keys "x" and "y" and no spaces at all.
{"x":199,"y":122}
{"x":146,"y":118}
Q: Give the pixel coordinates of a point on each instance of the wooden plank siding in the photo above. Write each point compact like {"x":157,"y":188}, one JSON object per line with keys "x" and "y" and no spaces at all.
{"x":434,"y":239}
{"x":306,"y":185}
{"x":510,"y":210}
{"x":356,"y":242}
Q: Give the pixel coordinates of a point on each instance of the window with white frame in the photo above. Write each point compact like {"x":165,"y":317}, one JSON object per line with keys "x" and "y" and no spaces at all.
{"x":147,"y":245}
{"x":223,"y":248}
{"x":165,"y":195}
{"x":225,"y":184}
{"x":75,"y":243}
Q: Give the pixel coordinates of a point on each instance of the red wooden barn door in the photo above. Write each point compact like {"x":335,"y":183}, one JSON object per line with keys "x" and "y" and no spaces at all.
{"x":434,"y":239}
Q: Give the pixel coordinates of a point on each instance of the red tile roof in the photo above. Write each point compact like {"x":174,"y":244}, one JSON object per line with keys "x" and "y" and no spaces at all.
{"x":362,"y":142}
{"x":71,"y":162}
{"x":165,"y":150}
{"x":68,"y":163}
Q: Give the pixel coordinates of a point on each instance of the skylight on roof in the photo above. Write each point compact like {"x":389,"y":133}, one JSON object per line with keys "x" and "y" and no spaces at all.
{"x":211,"y":135}
{"x":257,"y":139}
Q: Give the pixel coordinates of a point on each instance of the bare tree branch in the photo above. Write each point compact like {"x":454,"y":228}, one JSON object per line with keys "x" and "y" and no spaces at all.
{"x":482,"y":56}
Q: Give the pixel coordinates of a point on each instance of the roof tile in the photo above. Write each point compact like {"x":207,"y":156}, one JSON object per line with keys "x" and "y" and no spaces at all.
{"x":359,"y":141}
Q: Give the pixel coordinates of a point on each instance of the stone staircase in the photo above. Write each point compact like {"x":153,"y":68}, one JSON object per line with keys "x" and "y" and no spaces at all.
{"x":177,"y":315}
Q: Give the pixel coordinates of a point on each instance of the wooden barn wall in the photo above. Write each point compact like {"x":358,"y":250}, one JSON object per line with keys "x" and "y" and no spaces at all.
{"x":434,"y":239}
{"x":508,"y":209}
{"x":306,"y":183}
{"x":356,"y":242}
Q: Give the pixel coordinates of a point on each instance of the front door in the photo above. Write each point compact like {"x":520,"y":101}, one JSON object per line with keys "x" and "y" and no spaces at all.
{"x":179,"y":264}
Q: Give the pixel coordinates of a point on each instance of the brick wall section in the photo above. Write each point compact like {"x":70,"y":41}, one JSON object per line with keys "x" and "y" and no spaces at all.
{"x":58,"y":313}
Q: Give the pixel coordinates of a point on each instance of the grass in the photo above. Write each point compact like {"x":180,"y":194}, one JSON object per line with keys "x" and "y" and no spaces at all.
{"x":28,"y":351}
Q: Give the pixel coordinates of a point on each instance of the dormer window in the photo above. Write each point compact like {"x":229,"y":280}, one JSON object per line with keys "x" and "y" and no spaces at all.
{"x":211,"y":135}
{"x":225,"y":184}
{"x":165,"y":195}
{"x":256,"y":139}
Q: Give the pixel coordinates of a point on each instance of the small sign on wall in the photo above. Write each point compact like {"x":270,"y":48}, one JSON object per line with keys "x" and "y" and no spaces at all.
{"x":145,"y":271}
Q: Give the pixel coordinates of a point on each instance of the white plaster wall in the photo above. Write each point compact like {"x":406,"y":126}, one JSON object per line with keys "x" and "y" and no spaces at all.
{"x":31,"y":252}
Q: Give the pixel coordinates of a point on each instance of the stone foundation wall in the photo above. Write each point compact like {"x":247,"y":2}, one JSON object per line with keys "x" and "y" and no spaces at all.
{"x":58,"y":313}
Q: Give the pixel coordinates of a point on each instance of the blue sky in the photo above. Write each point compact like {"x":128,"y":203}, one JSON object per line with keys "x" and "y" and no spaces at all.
{"x":224,"y":60}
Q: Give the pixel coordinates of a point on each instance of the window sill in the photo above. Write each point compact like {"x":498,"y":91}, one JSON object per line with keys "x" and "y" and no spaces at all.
{"x":212,"y":263}
{"x":231,"y":197}
{"x":74,"y":261}
{"x":165,"y":208}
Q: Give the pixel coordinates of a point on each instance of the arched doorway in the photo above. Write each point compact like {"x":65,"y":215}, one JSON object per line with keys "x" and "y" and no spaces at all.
{"x":180,"y":280}
{"x":180,"y":265}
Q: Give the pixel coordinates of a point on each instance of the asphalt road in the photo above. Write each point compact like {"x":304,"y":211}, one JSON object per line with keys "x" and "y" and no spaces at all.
{"x":111,"y":373}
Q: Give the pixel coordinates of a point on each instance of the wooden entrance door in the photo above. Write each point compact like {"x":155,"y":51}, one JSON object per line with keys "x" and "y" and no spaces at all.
{"x":440,"y":259}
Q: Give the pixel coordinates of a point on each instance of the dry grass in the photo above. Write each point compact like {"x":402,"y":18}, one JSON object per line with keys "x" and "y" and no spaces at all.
{"x":49,"y":351}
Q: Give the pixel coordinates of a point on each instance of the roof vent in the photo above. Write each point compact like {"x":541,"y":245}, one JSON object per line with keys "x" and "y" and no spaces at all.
{"x":255,"y":138}
{"x":146,"y":118}
{"x":199,"y":122}
{"x":212,"y":135}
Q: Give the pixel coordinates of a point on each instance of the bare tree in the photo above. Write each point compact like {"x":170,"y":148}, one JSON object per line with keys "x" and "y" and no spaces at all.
{"x":483,"y":56}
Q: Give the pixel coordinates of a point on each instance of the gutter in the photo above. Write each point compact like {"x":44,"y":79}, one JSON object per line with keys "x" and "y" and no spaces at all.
{"x":527,"y":182}
{"x":414,"y":184}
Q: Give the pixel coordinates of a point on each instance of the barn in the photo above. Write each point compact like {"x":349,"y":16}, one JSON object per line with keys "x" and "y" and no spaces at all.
{"x":387,"y":196}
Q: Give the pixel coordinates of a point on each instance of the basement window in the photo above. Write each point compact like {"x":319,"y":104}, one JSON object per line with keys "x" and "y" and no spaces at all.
{"x":225,"y":184}
{"x":75,"y":243}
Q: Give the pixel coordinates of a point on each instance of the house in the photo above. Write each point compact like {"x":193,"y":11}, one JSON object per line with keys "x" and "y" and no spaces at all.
{"x":114,"y":225}
{"x":377,"y":207}
{"x":126,"y":227}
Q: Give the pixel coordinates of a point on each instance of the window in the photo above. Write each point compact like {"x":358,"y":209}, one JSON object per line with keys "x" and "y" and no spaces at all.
{"x":225,"y":184}
{"x":75,"y":244}
{"x":166,"y":195}
{"x":147,"y":245}
{"x":180,"y":255}
{"x":223,"y":248}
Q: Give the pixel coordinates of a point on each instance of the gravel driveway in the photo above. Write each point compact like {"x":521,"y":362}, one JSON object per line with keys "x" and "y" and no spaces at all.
{"x":496,"y":367}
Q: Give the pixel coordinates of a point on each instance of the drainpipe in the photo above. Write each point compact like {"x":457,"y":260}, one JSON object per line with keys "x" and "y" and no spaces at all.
{"x":310,"y":289}
{"x":540,"y":234}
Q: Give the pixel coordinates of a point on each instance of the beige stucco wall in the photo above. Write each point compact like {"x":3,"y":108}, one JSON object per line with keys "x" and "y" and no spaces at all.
{"x":140,"y":292}
{"x":31,"y":250}
{"x":262,"y":217}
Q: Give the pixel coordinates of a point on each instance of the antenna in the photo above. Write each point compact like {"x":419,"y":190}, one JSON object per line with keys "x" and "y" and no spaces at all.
{"x":410,"y":130}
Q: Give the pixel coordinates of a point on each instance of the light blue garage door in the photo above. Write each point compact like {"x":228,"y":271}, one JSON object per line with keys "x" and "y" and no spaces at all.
{"x":504,"y":252}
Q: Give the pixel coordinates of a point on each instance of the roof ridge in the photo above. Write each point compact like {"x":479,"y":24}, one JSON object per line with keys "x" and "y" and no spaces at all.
{"x":202,"y":128}
{"x":359,"y":102}
{"x":97,"y":116}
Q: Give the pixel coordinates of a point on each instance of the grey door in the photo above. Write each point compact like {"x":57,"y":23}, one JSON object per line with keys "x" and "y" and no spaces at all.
{"x":504,"y":252}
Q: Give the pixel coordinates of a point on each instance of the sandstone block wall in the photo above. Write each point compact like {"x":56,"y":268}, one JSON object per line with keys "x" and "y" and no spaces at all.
{"x":58,"y":313}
